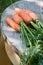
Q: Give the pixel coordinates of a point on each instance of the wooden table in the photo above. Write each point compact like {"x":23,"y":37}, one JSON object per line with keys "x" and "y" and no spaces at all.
{"x":4,"y":59}
{"x":12,"y":55}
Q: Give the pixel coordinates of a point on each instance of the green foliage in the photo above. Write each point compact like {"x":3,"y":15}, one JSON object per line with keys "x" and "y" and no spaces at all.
{"x":33,"y":37}
{"x":4,"y":4}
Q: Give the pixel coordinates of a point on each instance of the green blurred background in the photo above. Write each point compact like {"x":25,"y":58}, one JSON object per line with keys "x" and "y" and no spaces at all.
{"x":4,"y":60}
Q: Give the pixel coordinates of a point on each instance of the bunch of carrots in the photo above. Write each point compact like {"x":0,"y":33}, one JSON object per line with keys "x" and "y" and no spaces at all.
{"x":31,"y":29}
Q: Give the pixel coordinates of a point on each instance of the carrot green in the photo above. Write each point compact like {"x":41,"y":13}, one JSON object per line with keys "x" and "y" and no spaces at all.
{"x":33,"y":37}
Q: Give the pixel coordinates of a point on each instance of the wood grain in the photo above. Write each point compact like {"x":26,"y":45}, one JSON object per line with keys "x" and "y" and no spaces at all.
{"x":4,"y":60}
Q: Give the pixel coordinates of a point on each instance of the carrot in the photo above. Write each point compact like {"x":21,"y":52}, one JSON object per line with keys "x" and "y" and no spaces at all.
{"x":12,"y":24}
{"x":33,"y":15}
{"x":17,"y":18}
{"x":23,"y":15}
{"x":28,"y":12}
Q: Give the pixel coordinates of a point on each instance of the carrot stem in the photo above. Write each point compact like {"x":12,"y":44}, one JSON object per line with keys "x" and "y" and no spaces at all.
{"x":37,"y":27}
{"x":28,"y":30}
{"x":27,"y":37}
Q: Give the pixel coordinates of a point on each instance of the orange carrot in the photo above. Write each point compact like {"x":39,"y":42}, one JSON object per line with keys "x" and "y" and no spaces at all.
{"x":12,"y":24}
{"x":28,"y":12}
{"x":17,"y":18}
{"x":23,"y":15}
{"x":33,"y":15}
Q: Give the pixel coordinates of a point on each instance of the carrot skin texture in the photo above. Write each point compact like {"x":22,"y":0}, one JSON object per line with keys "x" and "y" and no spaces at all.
{"x":23,"y":15}
{"x":17,"y":18}
{"x":12,"y":24}
{"x":31,"y":14}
